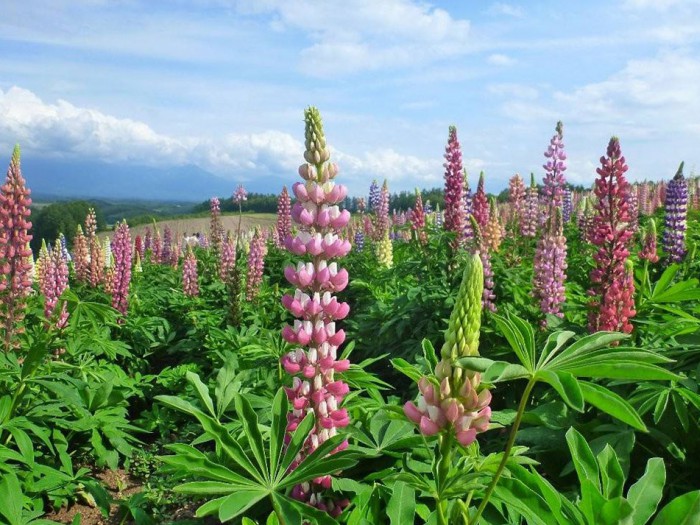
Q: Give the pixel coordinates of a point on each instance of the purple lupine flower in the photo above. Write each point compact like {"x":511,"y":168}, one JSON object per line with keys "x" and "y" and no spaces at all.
{"x":167,"y":249}
{"x":568,"y":206}
{"x":147,"y":241}
{"x":314,"y":362}
{"x":554,"y":181}
{"x":190,"y":284}
{"x":64,"y":247}
{"x":123,"y":255}
{"x":612,"y":290}
{"x":373,"y":196}
{"x":454,"y":217}
{"x":227,"y":258}
{"x":676,"y":216}
{"x":550,"y":267}
{"x":480,"y":204}
{"x":359,"y":240}
{"x":240,"y":195}
{"x":284,"y":217}
{"x":429,"y":207}
{"x":256,"y":264}
{"x":528,"y":227}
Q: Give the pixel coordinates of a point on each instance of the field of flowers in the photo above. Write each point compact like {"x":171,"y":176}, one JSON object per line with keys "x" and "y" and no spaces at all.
{"x":530,"y":361}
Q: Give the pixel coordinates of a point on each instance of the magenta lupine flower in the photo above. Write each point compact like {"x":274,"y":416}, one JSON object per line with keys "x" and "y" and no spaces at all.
{"x":167,"y":250}
{"x":240,"y":194}
{"x":648,"y":252}
{"x":516,"y":198}
{"x":314,"y":362}
{"x":612,"y":290}
{"x":528,"y":226}
{"x":147,"y":241}
{"x":554,"y":181}
{"x":418,"y":219}
{"x":256,"y":264}
{"x":454,"y":216}
{"x":190,"y":284}
{"x":123,"y":255}
{"x":216,"y":229}
{"x":284,"y":217}
{"x":138,"y":246}
{"x":643,"y":198}
{"x":468,"y":232}
{"x":15,"y":270}
{"x":550,"y":267}
{"x":676,"y":216}
{"x":480,"y":204}
{"x":157,"y":249}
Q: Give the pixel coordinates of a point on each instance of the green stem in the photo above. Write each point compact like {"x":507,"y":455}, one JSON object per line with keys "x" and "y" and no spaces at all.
{"x":443,"y":470}
{"x":506,"y":452}
{"x":278,"y":511}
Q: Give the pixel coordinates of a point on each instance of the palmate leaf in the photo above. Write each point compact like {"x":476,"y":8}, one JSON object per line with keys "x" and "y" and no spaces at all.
{"x":610,"y":403}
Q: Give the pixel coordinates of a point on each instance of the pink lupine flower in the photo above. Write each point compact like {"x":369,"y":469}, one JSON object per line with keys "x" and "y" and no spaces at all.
{"x":284,"y":217}
{"x":554,"y":181}
{"x":157,"y":248}
{"x":649,"y":251}
{"x":480,"y":204}
{"x":81,"y":256}
{"x":516,"y":198}
{"x":15,"y":277}
{"x":550,"y":267}
{"x":315,"y":362}
{"x":190,"y":285}
{"x":418,"y":219}
{"x":147,"y":242}
{"x":227,"y":258}
{"x":216,"y":229}
{"x":256,"y":265}
{"x":612,"y":289}
{"x":53,"y":280}
{"x":454,"y":217}
{"x":138,"y":246}
{"x":97,"y":261}
{"x":123,"y":254}
{"x":493,"y":231}
{"x":528,"y":226}
{"x":240,"y":194}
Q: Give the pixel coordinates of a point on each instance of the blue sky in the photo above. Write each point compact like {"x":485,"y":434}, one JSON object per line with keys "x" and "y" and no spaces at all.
{"x":223,"y":84}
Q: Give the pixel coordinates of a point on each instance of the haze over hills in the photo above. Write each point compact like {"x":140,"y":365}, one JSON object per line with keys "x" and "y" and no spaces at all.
{"x":90,"y":179}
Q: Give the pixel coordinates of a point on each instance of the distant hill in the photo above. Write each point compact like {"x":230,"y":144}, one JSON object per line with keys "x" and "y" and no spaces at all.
{"x":85,"y":179}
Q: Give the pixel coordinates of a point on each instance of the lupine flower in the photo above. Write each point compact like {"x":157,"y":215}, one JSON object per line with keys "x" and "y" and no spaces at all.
{"x":418,"y":219}
{"x":42,"y":261}
{"x":383,"y":248}
{"x":54,"y":281}
{"x":147,"y":241}
{"x":643,"y":198}
{"x":284,"y":217}
{"x":676,"y":216}
{"x":256,"y":265}
{"x":167,"y":250}
{"x":227,"y":259}
{"x":428,"y":207}
{"x":15,"y":280}
{"x":480,"y":205}
{"x":528,"y":227}
{"x":138,"y":268}
{"x":550,"y":267}
{"x":438,"y":216}
{"x":81,"y":256}
{"x":449,"y":401}
{"x":374,"y":196}
{"x":96,"y":267}
{"x":359,"y":240}
{"x":107,"y":251}
{"x":613,"y":292}
{"x":216,"y":229}
{"x":315,"y":387}
{"x":138,"y":247}
{"x":361,"y":205}
{"x":554,"y":181}
{"x":123,"y":254}
{"x":240,"y":194}
{"x":190,"y":285}
{"x":648,"y":252}
{"x":467,"y":233}
{"x":516,"y":198}
{"x":633,"y":210}
{"x":493,"y":231}
{"x":454,"y":217}
{"x":157,"y":249}
{"x":64,"y":247}
{"x":567,"y":206}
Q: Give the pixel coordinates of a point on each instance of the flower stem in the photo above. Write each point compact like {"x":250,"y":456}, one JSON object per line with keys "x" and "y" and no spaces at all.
{"x":443,"y":470}
{"x":506,"y":452}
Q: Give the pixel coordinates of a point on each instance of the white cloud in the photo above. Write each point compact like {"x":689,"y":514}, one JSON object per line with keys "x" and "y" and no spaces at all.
{"x":514,"y":90}
{"x":498,"y":59}
{"x":501,"y":8}
{"x":365,"y":35}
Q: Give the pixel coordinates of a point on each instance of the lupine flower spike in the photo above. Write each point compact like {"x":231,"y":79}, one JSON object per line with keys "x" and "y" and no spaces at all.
{"x":123,"y":255}
{"x":550,"y":268}
{"x":454,"y":216}
{"x":190,"y":284}
{"x":676,"y":216}
{"x":284,"y":216}
{"x":315,"y":362}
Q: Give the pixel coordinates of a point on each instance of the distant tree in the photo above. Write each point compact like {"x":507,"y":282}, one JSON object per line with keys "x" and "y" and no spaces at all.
{"x":61,"y":217}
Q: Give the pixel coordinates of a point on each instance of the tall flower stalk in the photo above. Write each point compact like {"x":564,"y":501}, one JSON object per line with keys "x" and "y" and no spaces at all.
{"x":123,"y":255}
{"x":555,"y":166}
{"x":315,"y":362}
{"x":284,"y":217}
{"x":550,"y":267}
{"x":516,"y":198}
{"x":528,"y":225}
{"x":612,"y":290}
{"x":676,"y":205}
{"x":418,"y":219}
{"x":480,"y":205}
{"x":454,"y":217}
{"x":190,"y":284}
{"x":256,"y":265}
{"x":15,"y":270}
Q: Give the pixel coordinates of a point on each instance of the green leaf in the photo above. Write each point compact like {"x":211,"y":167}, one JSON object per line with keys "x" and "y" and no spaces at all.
{"x":429,"y":353}
{"x":295,"y":443}
{"x":202,"y":392}
{"x":610,"y":403}
{"x":631,"y":370}
{"x":11,"y":498}
{"x":611,"y":474}
{"x":566,"y":386}
{"x":502,"y":371}
{"x":554,"y":343}
{"x":585,"y":345}
{"x":582,"y":455}
{"x":407,"y":369}
{"x":683,"y":510}
{"x":661,"y":404}
{"x":206,"y":487}
{"x":239,"y":502}
{"x":646,"y":493}
{"x":280,"y":407}
{"x":520,"y":337}
{"x":250,"y":426}
{"x":476,"y":363}
{"x":402,"y":504}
